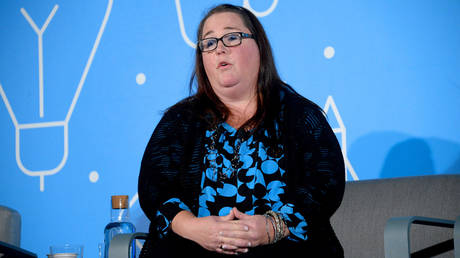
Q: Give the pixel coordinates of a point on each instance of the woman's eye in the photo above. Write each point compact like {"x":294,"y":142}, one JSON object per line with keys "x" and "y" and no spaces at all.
{"x":232,"y":37}
{"x":209,"y":43}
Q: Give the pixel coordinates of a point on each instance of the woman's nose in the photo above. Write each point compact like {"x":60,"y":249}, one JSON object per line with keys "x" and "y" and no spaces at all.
{"x":221,"y":48}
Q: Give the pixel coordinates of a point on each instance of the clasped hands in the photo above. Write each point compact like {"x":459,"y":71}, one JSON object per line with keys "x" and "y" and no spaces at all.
{"x":231,"y":234}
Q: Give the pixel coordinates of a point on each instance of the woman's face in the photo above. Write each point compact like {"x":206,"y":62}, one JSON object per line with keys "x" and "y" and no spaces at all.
{"x":232,"y":71}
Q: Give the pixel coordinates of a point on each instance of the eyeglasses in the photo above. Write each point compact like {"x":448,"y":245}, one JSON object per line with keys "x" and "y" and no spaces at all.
{"x":231,"y":39}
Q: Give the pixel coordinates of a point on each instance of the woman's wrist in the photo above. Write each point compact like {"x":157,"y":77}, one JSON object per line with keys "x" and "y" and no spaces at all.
{"x":183,"y":224}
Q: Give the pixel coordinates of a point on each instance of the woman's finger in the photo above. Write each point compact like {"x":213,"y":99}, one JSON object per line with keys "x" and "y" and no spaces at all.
{"x":231,"y":249}
{"x":235,"y":243}
{"x":222,"y":251}
{"x":226,"y":250}
{"x":234,"y":225}
{"x":229,"y":217}
{"x":238,"y":234}
{"x":239,"y":214}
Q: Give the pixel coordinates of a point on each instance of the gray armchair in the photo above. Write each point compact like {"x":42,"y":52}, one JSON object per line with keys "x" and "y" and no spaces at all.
{"x":121,"y":245}
{"x":376,"y":216}
{"x":375,"y":213}
{"x":10,"y":226}
{"x":397,"y":236}
{"x":10,"y":234}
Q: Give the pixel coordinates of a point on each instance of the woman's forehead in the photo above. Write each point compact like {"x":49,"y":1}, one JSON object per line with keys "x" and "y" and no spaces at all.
{"x":223,"y":21}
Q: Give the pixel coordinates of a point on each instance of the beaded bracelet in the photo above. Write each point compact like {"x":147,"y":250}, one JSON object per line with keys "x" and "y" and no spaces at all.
{"x":272,"y":221}
{"x":267,"y":217}
{"x":279,"y":232}
{"x":278,"y":225}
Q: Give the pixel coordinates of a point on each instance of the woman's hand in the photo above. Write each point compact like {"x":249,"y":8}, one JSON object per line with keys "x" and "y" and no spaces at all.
{"x":255,"y":235}
{"x":208,"y":232}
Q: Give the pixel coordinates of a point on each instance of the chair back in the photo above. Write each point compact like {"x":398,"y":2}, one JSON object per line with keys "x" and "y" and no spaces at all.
{"x":367,"y":205}
{"x":10,"y":226}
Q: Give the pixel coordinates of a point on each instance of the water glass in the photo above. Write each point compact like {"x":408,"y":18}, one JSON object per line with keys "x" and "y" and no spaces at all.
{"x":66,"y":251}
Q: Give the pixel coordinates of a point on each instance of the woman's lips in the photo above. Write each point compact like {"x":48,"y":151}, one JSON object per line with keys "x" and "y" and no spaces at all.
{"x":223,"y":65}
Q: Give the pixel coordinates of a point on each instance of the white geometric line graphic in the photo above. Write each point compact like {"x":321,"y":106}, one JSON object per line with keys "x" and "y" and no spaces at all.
{"x":260,"y":14}
{"x":343,"y":130}
{"x":181,"y":25}
{"x":133,"y":200}
{"x":131,"y":204}
{"x":65,"y":122}
{"x":40,"y":50}
{"x":245,"y":4}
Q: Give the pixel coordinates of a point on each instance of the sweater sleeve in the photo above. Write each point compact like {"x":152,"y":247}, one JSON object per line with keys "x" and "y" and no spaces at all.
{"x":160,"y":193}
{"x":318,"y":187}
{"x":293,"y":219}
{"x":163,"y":216}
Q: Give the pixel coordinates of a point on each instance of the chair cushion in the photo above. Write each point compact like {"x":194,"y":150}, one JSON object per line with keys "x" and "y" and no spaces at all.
{"x":368,"y":204}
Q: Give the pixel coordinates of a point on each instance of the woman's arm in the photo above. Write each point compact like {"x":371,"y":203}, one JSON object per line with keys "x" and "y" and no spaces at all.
{"x":316,"y":190}
{"x":160,"y":194}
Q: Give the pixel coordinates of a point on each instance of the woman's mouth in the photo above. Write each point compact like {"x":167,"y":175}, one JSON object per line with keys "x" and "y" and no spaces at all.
{"x":223,"y":65}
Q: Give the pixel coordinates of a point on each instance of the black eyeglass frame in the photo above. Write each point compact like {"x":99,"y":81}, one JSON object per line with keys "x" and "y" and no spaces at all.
{"x":241,"y":35}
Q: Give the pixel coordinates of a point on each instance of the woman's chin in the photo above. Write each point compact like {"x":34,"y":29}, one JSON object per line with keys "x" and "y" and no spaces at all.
{"x":231,"y":83}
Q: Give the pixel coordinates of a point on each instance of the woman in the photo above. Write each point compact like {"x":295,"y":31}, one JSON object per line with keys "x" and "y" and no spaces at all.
{"x":245,"y":165}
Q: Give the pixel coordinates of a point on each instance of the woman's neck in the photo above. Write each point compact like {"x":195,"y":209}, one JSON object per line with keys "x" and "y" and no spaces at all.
{"x":241,"y":110}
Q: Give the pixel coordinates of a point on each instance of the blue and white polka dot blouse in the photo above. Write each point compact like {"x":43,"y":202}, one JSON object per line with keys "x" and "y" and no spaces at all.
{"x":240,"y":171}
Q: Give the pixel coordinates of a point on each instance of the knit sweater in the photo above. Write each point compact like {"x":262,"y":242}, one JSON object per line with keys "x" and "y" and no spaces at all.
{"x":172,"y":167}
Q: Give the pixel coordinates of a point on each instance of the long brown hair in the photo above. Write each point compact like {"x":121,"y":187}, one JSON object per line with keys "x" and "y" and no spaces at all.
{"x":268,"y":82}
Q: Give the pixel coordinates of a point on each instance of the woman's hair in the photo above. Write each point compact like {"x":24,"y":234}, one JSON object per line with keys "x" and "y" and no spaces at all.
{"x":268,"y":80}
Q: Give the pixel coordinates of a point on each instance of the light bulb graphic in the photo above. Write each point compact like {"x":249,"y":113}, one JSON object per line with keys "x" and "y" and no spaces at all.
{"x":63,"y":124}
{"x":246,"y":4}
{"x":272,"y":7}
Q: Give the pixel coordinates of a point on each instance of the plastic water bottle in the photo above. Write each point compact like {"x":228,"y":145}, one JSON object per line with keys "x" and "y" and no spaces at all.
{"x":119,"y":222}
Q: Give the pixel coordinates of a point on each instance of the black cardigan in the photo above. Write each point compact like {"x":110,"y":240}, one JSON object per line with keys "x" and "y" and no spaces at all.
{"x":172,"y":168}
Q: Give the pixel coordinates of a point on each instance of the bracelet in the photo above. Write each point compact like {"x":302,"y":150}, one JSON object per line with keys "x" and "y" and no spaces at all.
{"x":278,"y":225}
{"x":267,"y":217}
{"x":279,"y":231}
{"x":278,"y":234}
{"x":272,"y":221}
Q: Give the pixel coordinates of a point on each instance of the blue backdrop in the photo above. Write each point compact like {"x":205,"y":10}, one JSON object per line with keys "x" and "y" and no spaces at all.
{"x":83,"y":84}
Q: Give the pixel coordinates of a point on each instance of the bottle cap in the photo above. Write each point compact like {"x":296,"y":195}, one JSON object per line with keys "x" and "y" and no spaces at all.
{"x":119,"y":201}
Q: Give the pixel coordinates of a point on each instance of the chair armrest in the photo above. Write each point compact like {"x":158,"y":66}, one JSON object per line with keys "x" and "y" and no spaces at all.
{"x":397,"y":232}
{"x":121,"y":244}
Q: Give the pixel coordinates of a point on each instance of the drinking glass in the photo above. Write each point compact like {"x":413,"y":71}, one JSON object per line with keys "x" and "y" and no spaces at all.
{"x":66,"y":251}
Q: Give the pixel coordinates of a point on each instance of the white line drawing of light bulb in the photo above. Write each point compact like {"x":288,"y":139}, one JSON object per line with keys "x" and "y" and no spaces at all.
{"x":260,"y":14}
{"x":64,"y":123}
{"x":330,"y":103}
{"x":182,"y":26}
{"x":40,"y":33}
{"x":246,"y":4}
